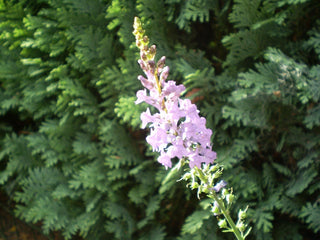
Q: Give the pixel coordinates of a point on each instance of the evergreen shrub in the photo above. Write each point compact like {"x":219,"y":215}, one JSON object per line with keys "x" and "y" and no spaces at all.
{"x":73,"y":156}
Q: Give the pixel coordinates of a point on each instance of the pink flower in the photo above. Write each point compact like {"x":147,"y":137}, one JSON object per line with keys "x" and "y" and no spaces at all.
{"x":177,"y":130}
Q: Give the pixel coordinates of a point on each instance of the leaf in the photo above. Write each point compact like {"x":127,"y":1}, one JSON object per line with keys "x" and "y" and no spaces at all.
{"x":263,"y":219}
{"x":195,"y":221}
{"x":302,"y":181}
{"x":311,"y":214}
{"x":156,"y":233}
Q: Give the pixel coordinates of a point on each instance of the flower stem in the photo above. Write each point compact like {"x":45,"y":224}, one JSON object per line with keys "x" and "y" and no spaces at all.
{"x":227,"y":216}
{"x":212,"y":194}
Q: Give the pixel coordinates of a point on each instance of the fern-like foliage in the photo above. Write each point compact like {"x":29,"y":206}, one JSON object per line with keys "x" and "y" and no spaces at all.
{"x":72,"y":155}
{"x":311,"y":214}
{"x":190,"y":11}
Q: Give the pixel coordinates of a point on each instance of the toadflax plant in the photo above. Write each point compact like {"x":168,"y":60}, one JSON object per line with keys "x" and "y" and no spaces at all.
{"x":177,"y":131}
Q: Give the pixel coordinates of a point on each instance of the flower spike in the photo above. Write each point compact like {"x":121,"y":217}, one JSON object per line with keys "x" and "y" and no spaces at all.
{"x":177,"y":130}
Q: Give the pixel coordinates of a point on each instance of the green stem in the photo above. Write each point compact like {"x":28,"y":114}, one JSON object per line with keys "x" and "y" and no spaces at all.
{"x":224,"y":211}
{"x":227,"y":216}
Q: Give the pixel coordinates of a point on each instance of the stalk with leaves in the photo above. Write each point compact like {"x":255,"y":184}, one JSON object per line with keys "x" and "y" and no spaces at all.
{"x":178,"y":132}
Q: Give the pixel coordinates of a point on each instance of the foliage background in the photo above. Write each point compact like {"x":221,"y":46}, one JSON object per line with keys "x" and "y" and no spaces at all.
{"x":73,"y":156}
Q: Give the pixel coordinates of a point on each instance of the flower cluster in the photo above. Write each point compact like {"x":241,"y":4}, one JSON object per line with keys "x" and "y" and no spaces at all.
{"x":177,"y":130}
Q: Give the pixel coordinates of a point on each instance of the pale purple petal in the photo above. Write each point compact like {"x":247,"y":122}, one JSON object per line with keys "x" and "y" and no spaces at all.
{"x":157,"y":139}
{"x":219,"y":185}
{"x":143,"y":97}
{"x":146,"y":118}
{"x":165,"y":160}
{"x":176,"y":151}
{"x":171,"y":91}
{"x":146,"y":82}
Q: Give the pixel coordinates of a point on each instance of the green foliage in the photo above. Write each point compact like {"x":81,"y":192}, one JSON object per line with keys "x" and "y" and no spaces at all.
{"x":195,"y":221}
{"x":312,"y":214}
{"x":72,"y":155}
{"x":127,"y":111}
{"x":190,"y":11}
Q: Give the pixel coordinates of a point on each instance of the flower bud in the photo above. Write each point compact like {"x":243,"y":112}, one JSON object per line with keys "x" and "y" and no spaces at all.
{"x":223,"y":223}
{"x":213,"y":168}
{"x":242,"y":214}
{"x":218,"y":173}
{"x":160,"y":64}
{"x":164,"y":74}
{"x":139,"y":36}
{"x":225,"y":192}
{"x":142,"y":65}
{"x":205,"y":189}
{"x":230,"y":197}
{"x":145,"y":39}
{"x":215,"y":209}
{"x":143,"y":56}
{"x":151,"y":66}
{"x":206,"y":167}
{"x":152,"y":50}
{"x":186,"y":176}
{"x":241,"y":226}
{"x":194,"y":185}
{"x":138,"y":43}
{"x":137,"y":22}
{"x":135,"y":32}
